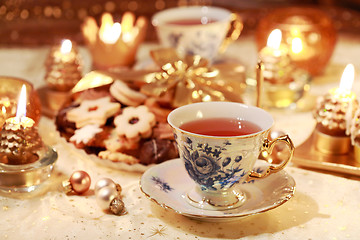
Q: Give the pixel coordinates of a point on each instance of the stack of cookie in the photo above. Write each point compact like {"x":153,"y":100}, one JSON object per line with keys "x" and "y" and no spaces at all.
{"x":118,"y":123}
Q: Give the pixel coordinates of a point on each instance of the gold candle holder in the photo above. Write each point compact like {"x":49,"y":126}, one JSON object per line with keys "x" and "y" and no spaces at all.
{"x":9,"y":94}
{"x":113,"y":46}
{"x":309,"y":34}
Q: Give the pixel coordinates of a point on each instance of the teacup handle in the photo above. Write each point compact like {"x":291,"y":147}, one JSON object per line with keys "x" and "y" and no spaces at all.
{"x":235,"y":28}
{"x":268,"y":146}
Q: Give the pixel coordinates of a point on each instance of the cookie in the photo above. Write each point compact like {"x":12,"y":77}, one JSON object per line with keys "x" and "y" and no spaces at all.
{"x":116,"y":143}
{"x":83,"y":135}
{"x":118,"y":157}
{"x":135,"y":122}
{"x":161,"y":113}
{"x":93,"y":112}
{"x":124,"y":94}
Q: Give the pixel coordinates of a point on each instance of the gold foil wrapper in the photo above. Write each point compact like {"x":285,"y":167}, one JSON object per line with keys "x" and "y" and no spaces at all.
{"x":191,"y":79}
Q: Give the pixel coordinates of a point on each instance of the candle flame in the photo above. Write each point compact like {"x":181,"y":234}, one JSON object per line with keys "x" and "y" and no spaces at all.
{"x":296,"y":45}
{"x":21,"y":106}
{"x":274,"y":39}
{"x":66,"y":46}
{"x":347,"y":78}
{"x":109,"y":31}
{"x":3,"y":110}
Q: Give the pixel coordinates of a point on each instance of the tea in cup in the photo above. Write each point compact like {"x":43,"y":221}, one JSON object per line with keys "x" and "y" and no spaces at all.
{"x":219,"y":143}
{"x":197,"y":30}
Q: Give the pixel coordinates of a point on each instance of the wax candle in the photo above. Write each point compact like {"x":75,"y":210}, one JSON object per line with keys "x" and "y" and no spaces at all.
{"x":20,"y":120}
{"x":277,"y":64}
{"x":65,"y":53}
{"x":63,"y":67}
{"x":300,"y":50}
{"x":19,"y":139}
{"x":333,"y":114}
{"x":109,"y":31}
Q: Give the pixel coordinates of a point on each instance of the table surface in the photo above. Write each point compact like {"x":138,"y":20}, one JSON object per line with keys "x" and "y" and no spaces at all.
{"x":325,"y":205}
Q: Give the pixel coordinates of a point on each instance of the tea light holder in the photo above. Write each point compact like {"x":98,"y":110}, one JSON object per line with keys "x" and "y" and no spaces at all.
{"x":283,"y":83}
{"x":113,"y":46}
{"x":25,"y":162}
{"x":308,"y":33}
{"x":27,"y":178}
{"x":63,"y":70}
{"x":355,"y":134}
{"x":333,"y":114}
{"x":9,"y":94}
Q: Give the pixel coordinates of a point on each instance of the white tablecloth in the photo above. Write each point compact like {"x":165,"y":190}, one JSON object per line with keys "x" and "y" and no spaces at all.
{"x":324,"y":206}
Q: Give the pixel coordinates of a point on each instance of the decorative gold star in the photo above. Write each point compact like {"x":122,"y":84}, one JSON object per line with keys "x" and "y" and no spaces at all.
{"x":158,"y":231}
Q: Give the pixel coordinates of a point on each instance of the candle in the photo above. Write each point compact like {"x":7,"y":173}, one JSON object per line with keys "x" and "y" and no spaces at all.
{"x":20,"y":142}
{"x":63,"y":69}
{"x":65,"y":53}
{"x":300,"y":50}
{"x":343,"y":93}
{"x":6,"y":106}
{"x":277,"y":64}
{"x":109,"y":31}
{"x":20,"y":120}
{"x":333,"y":113}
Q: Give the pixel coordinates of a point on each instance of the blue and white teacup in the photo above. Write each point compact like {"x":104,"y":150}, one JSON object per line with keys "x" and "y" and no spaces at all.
{"x":219,"y":164}
{"x":217,"y":27}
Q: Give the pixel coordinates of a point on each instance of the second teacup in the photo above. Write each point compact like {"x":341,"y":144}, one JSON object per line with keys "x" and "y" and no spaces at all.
{"x":219,"y":143}
{"x":197,"y":30}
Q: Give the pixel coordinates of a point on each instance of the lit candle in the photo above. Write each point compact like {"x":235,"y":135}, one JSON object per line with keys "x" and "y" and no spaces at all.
{"x":20,"y":120}
{"x":65,"y":53}
{"x":300,"y":51}
{"x":109,"y":31}
{"x":273,"y":46}
{"x":5,"y":110}
{"x":343,"y":92}
{"x":20,"y":142}
{"x":334,"y":113}
{"x":277,"y":64}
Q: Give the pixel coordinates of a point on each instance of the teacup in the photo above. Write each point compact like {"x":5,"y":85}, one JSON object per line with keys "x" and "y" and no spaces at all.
{"x":219,"y":164}
{"x":197,"y":30}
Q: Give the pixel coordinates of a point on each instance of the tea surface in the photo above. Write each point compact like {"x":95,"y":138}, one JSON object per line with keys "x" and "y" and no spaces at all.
{"x":194,"y":21}
{"x":221,"y":127}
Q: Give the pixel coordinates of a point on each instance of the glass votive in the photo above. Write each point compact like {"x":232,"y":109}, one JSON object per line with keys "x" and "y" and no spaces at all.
{"x":10,"y":88}
{"x":26,"y":178}
{"x":280,"y":95}
{"x":308,"y":33}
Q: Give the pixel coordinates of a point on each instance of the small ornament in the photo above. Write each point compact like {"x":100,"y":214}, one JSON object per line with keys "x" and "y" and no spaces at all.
{"x":79,"y":182}
{"x":108,"y":196}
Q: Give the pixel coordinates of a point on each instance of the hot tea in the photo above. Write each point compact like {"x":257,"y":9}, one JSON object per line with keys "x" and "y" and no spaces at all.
{"x":221,"y":127}
{"x":192,"y":21}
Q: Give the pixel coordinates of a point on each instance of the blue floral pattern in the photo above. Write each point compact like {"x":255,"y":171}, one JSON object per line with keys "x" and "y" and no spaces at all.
{"x":206,"y":165}
{"x":161,"y":184}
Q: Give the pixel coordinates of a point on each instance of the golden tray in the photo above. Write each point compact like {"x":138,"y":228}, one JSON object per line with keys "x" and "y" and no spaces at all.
{"x":307,"y":156}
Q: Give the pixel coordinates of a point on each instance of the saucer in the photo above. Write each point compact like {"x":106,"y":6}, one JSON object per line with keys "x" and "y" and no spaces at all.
{"x":167,"y":184}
